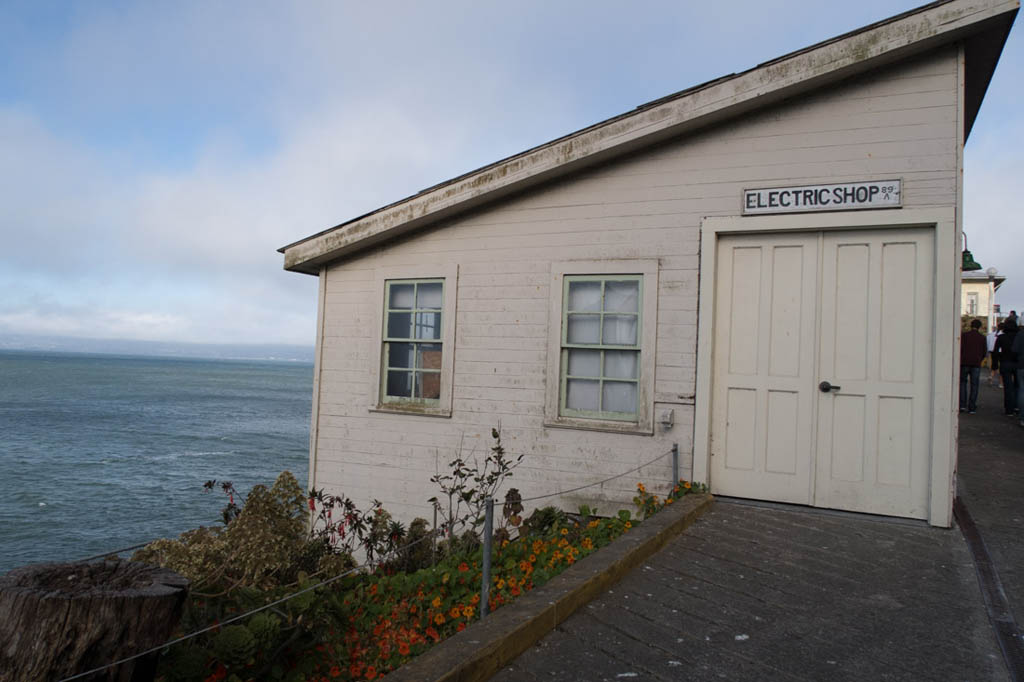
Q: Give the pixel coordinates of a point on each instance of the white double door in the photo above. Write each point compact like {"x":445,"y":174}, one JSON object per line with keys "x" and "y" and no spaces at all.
{"x":794,"y":310}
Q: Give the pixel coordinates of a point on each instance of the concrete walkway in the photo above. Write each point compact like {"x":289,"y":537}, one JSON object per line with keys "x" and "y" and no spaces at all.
{"x":766,"y":592}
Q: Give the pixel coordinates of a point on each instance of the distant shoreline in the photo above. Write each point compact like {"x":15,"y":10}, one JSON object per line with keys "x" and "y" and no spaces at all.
{"x":158,"y":349}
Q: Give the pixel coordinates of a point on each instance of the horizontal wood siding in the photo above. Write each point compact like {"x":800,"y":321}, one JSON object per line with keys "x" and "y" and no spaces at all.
{"x":896,"y":123}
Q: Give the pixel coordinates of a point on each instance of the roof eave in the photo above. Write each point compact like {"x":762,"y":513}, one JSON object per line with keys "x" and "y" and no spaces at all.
{"x":872,"y":47}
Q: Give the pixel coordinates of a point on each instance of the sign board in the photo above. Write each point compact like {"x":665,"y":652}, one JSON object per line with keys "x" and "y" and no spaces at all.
{"x":839,"y":197}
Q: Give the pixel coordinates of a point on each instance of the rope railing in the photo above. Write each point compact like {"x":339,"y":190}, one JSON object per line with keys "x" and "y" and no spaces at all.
{"x":234,"y":619}
{"x":673,"y":451}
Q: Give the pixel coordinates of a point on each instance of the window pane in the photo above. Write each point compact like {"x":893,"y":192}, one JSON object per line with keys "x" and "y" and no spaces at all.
{"x":428,"y":385}
{"x":429,"y":295}
{"x":620,"y":364}
{"x":400,"y":354}
{"x":584,"y":329}
{"x":400,"y":325}
{"x":428,"y":356}
{"x":399,"y":384}
{"x":401,"y":295}
{"x":585,"y":363}
{"x":582,"y":394}
{"x":622,"y":297}
{"x":428,"y":325}
{"x":585,"y":296}
{"x":619,"y":330}
{"x":618,"y":396}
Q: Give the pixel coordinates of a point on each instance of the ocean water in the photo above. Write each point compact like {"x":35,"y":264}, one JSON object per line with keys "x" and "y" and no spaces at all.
{"x":100,"y":452}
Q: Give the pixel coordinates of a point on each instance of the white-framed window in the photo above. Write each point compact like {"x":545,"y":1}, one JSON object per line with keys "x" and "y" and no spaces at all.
{"x":601,"y":346}
{"x":413,"y":373}
{"x":972,"y":303}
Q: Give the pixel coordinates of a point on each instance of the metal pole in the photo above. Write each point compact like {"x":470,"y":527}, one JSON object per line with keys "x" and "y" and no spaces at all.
{"x":485,"y":580}
{"x":433,"y":539}
{"x":675,"y":464}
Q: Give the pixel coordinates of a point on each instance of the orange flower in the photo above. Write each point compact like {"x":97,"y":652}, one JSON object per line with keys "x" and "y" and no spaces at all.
{"x":463,"y":567}
{"x":432,"y":633}
{"x":587,"y":543}
{"x":371,"y":673}
{"x":462,"y":626}
{"x":335,"y":671}
{"x":373,"y":588}
{"x":403,"y":648}
{"x":512,"y":581}
{"x":628,"y":524}
{"x":686,"y":484}
{"x":439,"y":619}
{"x":475,"y":600}
{"x":533,"y":558}
{"x":454,"y":613}
{"x":669,"y":500}
{"x":437,"y":602}
{"x":501,"y":583}
{"x":524,"y":566}
{"x":355,"y":670}
{"x":641,"y":488}
{"x":564,"y":531}
{"x":467,"y":611}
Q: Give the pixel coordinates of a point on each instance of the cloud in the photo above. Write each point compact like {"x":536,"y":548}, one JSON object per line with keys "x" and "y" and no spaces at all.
{"x":156,"y":156}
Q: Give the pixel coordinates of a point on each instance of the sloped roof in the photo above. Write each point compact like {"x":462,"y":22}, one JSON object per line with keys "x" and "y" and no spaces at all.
{"x":982,"y":25}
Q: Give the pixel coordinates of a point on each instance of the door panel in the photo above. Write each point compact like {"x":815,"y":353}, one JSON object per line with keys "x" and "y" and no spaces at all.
{"x":876,"y":321}
{"x":762,"y":402}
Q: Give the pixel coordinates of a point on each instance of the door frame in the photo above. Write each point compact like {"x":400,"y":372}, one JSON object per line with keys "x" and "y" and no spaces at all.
{"x":945,"y":327}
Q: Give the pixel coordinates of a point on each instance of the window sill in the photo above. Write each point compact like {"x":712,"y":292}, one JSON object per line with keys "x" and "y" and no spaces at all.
{"x":415,"y":410}
{"x":628,"y":428}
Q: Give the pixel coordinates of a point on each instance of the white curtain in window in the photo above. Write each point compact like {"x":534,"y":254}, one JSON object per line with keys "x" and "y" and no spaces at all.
{"x":584,"y":329}
{"x":585,"y":296}
{"x":582,"y":394}
{"x":584,"y":363}
{"x":619,"y":396}
{"x":619,"y":330}
{"x":620,"y":364}
{"x":621,"y":297}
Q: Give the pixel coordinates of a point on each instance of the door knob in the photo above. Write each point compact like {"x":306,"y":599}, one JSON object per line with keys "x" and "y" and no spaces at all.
{"x":825,"y":387}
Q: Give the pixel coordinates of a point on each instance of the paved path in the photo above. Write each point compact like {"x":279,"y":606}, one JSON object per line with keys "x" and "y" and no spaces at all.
{"x":991,"y":484}
{"x":782,"y":593}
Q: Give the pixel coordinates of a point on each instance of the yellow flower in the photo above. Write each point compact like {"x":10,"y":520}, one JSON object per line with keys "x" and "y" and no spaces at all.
{"x":501,"y":583}
{"x":533,"y":558}
{"x":628,"y":524}
{"x":564,"y":531}
{"x":686,"y":484}
{"x":669,"y":500}
{"x":641,"y":488}
{"x":467,"y":611}
{"x":437,"y":602}
{"x":563,"y":542}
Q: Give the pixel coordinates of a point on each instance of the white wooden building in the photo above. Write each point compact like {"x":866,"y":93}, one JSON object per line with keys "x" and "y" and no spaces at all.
{"x":689,"y":272}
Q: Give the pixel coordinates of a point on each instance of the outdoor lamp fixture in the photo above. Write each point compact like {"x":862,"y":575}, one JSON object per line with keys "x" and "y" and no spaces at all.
{"x":968,"y":263}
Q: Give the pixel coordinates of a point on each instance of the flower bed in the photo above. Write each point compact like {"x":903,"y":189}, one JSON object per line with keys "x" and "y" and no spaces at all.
{"x":363,"y":625}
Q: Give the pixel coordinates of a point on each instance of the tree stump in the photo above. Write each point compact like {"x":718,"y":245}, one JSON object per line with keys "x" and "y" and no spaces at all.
{"x":57,"y":620}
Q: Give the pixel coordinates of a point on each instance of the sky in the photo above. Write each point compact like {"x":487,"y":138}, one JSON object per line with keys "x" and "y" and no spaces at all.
{"x":155,"y":155}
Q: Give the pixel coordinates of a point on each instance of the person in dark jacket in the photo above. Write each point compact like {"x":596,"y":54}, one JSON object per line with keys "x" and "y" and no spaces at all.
{"x":1005,"y":360}
{"x":1018,"y":348}
{"x":973,"y":349}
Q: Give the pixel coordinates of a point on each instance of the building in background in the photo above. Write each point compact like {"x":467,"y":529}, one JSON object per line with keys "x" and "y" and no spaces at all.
{"x":978,"y":297}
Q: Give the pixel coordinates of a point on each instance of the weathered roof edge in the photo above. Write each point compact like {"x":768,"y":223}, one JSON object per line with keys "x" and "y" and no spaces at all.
{"x":884,"y":42}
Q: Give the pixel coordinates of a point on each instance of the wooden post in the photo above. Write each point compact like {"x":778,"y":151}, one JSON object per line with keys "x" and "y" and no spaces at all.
{"x":57,"y":620}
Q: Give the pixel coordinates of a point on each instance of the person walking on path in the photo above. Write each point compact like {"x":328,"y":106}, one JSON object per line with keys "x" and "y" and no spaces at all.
{"x":993,"y":375}
{"x":973,"y":349}
{"x":1018,"y":349}
{"x":1005,"y":359}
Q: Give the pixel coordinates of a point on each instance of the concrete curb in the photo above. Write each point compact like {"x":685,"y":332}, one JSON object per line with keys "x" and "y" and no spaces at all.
{"x":486,"y":647}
